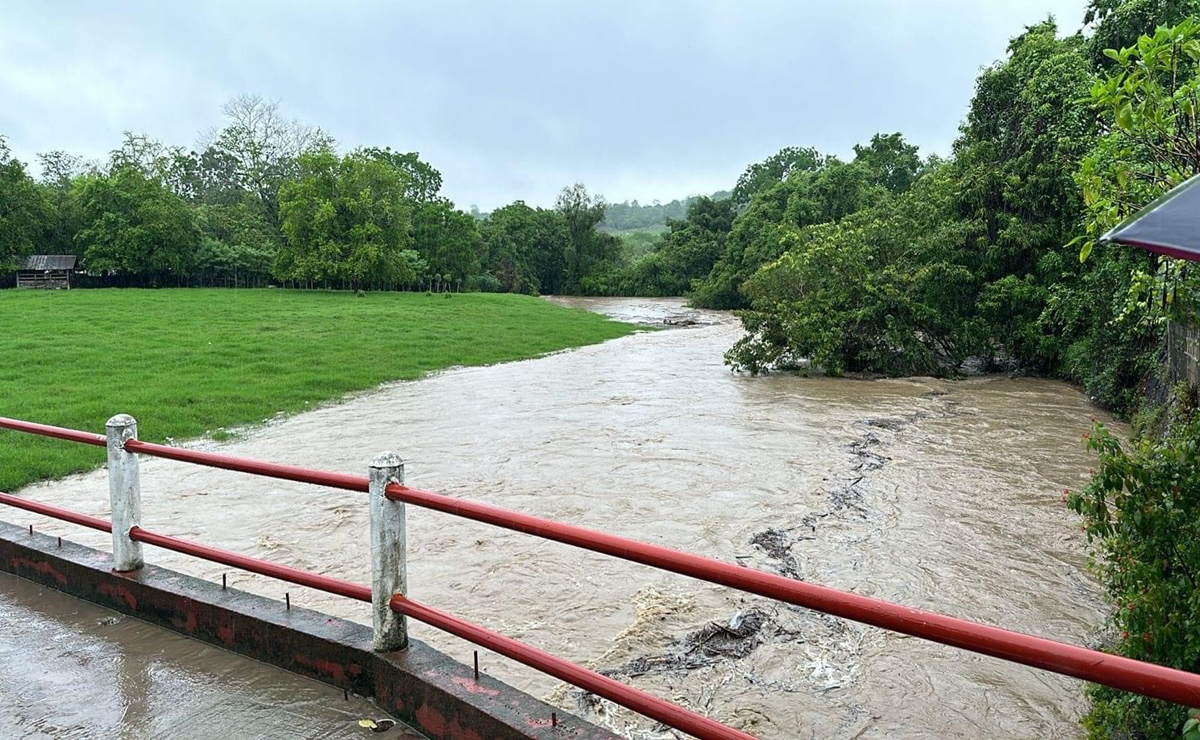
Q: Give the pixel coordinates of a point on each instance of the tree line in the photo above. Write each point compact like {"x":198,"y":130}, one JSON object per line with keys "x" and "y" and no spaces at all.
{"x":633,"y":216}
{"x":266,"y":199}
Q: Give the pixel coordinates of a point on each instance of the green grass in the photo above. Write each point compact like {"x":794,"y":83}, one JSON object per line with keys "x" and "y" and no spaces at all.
{"x":187,"y":363}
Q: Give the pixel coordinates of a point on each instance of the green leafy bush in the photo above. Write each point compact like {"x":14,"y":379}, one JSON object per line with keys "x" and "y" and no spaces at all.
{"x":1141,"y":512}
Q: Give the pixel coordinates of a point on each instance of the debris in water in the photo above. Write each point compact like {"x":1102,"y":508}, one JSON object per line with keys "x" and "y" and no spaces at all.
{"x":777,"y":544}
{"x":713,"y":643}
{"x":680,"y":321}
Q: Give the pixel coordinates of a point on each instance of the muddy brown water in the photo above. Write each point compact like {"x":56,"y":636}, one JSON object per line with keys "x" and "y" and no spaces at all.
{"x":934,"y":494}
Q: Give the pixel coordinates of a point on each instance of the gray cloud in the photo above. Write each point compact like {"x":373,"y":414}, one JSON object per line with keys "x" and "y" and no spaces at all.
{"x":513,"y":100}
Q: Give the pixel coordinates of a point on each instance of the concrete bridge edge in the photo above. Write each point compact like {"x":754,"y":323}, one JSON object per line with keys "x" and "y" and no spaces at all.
{"x":419,"y":686}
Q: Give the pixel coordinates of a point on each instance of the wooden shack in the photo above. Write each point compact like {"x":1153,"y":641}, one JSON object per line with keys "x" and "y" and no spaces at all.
{"x":49,"y":271}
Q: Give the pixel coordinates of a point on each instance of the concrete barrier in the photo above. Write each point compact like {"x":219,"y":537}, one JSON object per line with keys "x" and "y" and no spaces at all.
{"x":419,"y":686}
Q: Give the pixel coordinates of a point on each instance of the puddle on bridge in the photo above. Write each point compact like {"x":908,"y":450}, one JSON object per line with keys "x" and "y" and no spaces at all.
{"x":69,"y":669}
{"x":935,"y":494}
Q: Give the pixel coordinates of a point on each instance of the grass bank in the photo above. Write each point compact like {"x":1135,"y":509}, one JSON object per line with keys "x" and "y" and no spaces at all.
{"x":189,"y":362}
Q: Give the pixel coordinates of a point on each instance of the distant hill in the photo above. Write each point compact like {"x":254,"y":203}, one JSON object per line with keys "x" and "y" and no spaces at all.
{"x":634,"y":216}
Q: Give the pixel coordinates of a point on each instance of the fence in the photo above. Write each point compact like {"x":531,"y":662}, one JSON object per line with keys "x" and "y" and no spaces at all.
{"x":390,"y":606}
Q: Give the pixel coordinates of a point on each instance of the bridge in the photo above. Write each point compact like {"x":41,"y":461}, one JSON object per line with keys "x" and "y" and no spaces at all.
{"x":419,"y":686}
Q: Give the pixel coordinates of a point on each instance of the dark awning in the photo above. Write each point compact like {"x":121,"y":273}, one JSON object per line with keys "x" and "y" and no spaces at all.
{"x":1170,"y":225}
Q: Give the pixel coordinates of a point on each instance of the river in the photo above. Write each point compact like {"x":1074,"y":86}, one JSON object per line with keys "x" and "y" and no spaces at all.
{"x":937,"y":494}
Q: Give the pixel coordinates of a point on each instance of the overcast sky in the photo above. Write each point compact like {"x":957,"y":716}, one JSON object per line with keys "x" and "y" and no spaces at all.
{"x":638,"y":99}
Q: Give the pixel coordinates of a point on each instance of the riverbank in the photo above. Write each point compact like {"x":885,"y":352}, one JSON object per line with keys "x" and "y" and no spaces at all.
{"x":193,"y":362}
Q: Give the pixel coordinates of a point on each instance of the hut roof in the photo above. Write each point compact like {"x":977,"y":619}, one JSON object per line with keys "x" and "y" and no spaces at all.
{"x":42,"y":262}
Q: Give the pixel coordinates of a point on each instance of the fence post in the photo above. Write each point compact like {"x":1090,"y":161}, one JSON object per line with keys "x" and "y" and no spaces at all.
{"x":124,"y":492}
{"x":388,"y":571}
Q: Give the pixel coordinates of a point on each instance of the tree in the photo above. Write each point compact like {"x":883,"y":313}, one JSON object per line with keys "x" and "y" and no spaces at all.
{"x":871,"y":292}
{"x":634,"y":215}
{"x":893,"y":163}
{"x":1020,"y":147}
{"x":1015,"y":165}
{"x":1118,"y":24}
{"x":59,"y":168}
{"x":223,"y":263}
{"x":524,"y":248}
{"x":59,"y":172}
{"x":774,"y":169}
{"x":1140,"y":506}
{"x":687,"y":252}
{"x":423,"y":181}
{"x":143,"y":153}
{"x":24,"y":210}
{"x":1141,"y":512}
{"x":1112,"y":310}
{"x":1150,"y":103}
{"x":346,"y":219}
{"x":258,"y":150}
{"x":589,"y":254}
{"x":984,"y":272}
{"x":447,"y":239}
{"x":133,"y":225}
{"x":237,"y":223}
{"x":807,"y":197}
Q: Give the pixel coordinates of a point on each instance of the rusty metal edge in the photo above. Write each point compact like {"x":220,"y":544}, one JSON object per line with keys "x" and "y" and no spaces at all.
{"x":419,"y":686}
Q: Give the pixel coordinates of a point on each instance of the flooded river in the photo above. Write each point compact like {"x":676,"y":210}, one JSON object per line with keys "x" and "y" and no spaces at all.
{"x":934,"y":494}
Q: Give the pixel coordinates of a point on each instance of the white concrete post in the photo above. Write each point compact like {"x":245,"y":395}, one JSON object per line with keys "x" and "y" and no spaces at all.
{"x":124,"y":492}
{"x":388,"y":571}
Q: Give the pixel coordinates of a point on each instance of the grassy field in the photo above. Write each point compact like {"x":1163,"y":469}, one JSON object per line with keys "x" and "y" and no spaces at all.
{"x":187,"y":363}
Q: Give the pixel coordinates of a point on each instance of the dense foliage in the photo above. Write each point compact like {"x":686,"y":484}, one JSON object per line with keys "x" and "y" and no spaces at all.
{"x":264,"y":199}
{"x":975,"y":259}
{"x":955,"y":259}
{"x":686,"y":252}
{"x":1141,"y":510}
{"x":346,"y":220}
{"x":1142,"y":506}
{"x":871,"y":292}
{"x":24,"y":210}
{"x":133,"y":223}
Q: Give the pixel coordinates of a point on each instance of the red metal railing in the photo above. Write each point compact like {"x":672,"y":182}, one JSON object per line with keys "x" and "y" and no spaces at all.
{"x":1123,"y":673}
{"x":599,"y":684}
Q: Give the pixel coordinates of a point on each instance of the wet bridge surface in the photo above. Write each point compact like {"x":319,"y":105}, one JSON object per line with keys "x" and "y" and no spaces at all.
{"x":69,"y":669}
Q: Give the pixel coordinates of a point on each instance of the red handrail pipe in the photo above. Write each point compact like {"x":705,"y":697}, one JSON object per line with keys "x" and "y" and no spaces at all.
{"x":45,"y":430}
{"x":1139,"y":677}
{"x":56,"y":512}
